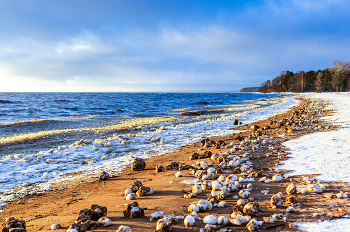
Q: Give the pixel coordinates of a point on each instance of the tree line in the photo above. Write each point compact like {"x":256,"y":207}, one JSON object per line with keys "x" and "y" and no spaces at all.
{"x":334,"y":79}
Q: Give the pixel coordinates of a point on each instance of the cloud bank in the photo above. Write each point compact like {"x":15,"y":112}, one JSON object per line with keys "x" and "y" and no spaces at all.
{"x":223,"y":50}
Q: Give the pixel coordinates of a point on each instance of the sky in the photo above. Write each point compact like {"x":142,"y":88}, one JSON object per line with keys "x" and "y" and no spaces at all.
{"x":165,"y":45}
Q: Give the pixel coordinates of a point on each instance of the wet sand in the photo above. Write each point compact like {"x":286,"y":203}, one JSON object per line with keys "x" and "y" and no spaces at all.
{"x":63,"y":206}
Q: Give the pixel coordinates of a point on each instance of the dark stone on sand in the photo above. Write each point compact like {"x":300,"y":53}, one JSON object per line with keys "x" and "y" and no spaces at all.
{"x":173,"y":165}
{"x":237,"y":208}
{"x":138,"y":164}
{"x":133,"y":210}
{"x":95,"y":212}
{"x":13,"y":225}
{"x":103,"y":176}
{"x":160,"y":168}
{"x":83,"y":226}
{"x":136,"y":185}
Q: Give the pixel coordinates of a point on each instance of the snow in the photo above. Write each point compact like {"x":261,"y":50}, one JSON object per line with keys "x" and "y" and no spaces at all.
{"x":324,"y":153}
{"x":325,"y":226}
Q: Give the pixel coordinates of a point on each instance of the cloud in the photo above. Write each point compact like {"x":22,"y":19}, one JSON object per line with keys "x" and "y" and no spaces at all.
{"x":227,"y":50}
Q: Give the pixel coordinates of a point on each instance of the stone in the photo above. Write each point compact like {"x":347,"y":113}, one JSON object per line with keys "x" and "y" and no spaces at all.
{"x":13,"y":224}
{"x":138,"y":164}
{"x":133,"y":210}
{"x":103,"y":176}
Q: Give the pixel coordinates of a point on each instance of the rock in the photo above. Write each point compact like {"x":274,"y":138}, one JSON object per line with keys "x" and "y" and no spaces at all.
{"x":103,"y":176}
{"x":133,"y":210}
{"x":13,"y":224}
{"x":277,"y":177}
{"x":144,"y":191}
{"x":222,"y":220}
{"x":291,"y":189}
{"x":238,"y":219}
{"x":55,"y":226}
{"x":193,"y":208}
{"x":190,"y":195}
{"x":252,"y":209}
{"x":244,"y":193}
{"x":124,"y":229}
{"x":197,"y":189}
{"x":178,"y":174}
{"x":253,"y":225}
{"x":104,"y":221}
{"x":210,"y":219}
{"x":72,"y":230}
{"x":83,"y":226}
{"x":194,"y":156}
{"x":235,"y":122}
{"x":160,"y":168}
{"x":130,"y":197}
{"x":276,"y":200}
{"x":315,"y":188}
{"x":95,"y":212}
{"x":136,"y":185}
{"x":204,"y":205}
{"x":189,"y":221}
{"x":165,"y":224}
{"x":138,"y":164}
{"x":237,"y":208}
{"x":291,"y":200}
{"x":156,"y":215}
{"x":213,"y":200}
{"x":290,"y":209}
{"x":173,"y":165}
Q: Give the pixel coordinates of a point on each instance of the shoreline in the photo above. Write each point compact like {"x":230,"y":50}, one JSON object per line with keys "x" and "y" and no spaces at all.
{"x":63,"y":205}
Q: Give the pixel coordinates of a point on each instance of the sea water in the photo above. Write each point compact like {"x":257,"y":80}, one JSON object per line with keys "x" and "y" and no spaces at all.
{"x":45,"y":137}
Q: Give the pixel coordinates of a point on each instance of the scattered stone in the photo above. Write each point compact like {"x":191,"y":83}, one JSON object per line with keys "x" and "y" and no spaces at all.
{"x":95,"y":212}
{"x":160,"y":168}
{"x":165,"y":224}
{"x":253,"y":224}
{"x":144,"y":191}
{"x":133,"y":210}
{"x":103,"y":176}
{"x":136,"y":185}
{"x":210,"y":219}
{"x":178,"y":174}
{"x":189,"y":221}
{"x":13,"y":224}
{"x":138,"y":164}
{"x":291,"y":200}
{"x":124,"y":229}
{"x":156,"y":215}
{"x":130,"y":197}
{"x":55,"y":226}
{"x":291,"y":189}
{"x":290,"y":209}
{"x":173,"y":165}
{"x":104,"y":221}
{"x":252,"y":209}
{"x":276,"y":200}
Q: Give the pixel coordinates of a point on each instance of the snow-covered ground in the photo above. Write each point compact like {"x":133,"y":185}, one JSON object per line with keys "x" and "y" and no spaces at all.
{"x":325,"y":153}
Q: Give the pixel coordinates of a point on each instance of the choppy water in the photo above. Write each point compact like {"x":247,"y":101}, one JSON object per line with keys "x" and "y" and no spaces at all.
{"x":39,"y":131}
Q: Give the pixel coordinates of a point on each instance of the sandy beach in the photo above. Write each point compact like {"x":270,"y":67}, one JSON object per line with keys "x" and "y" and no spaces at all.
{"x":260,"y":151}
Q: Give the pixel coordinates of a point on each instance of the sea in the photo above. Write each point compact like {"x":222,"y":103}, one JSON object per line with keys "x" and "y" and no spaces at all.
{"x":47,"y":138}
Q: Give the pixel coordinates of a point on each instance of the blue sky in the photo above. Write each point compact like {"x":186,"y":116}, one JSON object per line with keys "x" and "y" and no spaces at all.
{"x":165,"y":46}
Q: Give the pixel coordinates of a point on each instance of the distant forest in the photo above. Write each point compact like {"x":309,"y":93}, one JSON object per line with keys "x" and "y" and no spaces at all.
{"x":334,"y":79}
